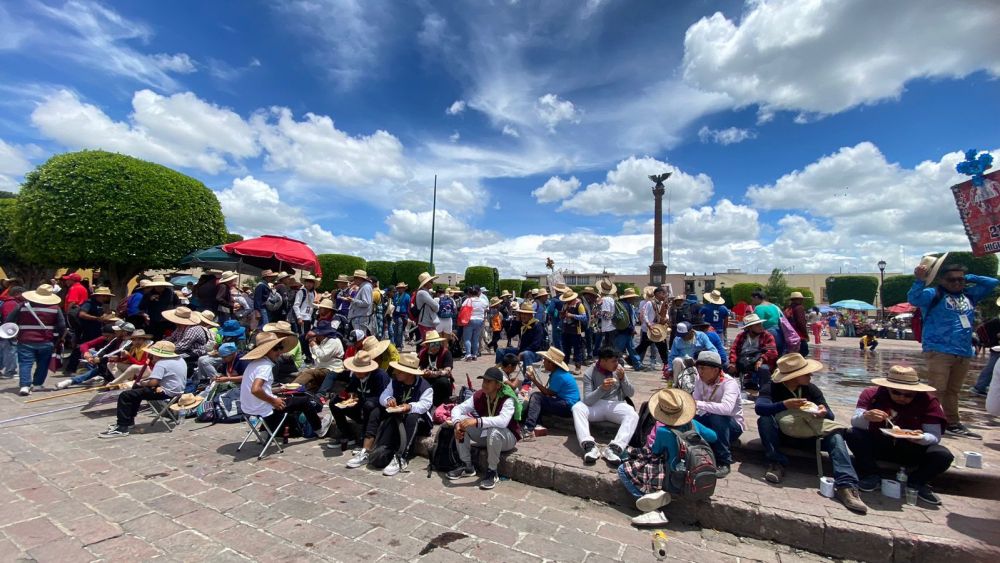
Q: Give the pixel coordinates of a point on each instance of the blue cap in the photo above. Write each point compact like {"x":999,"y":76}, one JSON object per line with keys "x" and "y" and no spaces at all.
{"x":227,"y":349}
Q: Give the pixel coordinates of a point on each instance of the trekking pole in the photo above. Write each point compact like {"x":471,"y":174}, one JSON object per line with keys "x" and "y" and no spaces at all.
{"x":76,"y":392}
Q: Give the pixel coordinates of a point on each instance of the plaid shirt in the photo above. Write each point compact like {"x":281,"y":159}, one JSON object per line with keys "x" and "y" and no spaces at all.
{"x":190,"y":340}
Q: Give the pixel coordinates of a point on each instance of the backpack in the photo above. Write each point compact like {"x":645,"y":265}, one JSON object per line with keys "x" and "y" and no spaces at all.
{"x":465,"y":314}
{"x":274,"y":302}
{"x":223,"y":408}
{"x":444,"y":454}
{"x":792,"y":338}
{"x":643,"y":428}
{"x":694,"y":475}
{"x":388,"y":443}
{"x":414,"y":313}
{"x":620,"y":317}
{"x":447,"y":308}
{"x":121,"y":311}
{"x":509,"y":392}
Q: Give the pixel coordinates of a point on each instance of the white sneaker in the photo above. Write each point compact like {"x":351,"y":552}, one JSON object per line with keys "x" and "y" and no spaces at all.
{"x":324,"y":426}
{"x":592,"y":454}
{"x":38,"y":388}
{"x":24,"y":391}
{"x":652,"y":518}
{"x":653,"y":501}
{"x":359,"y":459}
{"x":395,"y":466}
{"x":64,"y":384}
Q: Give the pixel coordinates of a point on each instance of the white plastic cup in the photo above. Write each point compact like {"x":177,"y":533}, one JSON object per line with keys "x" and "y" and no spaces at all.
{"x":826,"y":486}
{"x":974,"y":460}
{"x":891,"y":488}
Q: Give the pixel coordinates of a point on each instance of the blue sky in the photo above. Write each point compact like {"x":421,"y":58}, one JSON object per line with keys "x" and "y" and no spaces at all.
{"x":811,"y":136}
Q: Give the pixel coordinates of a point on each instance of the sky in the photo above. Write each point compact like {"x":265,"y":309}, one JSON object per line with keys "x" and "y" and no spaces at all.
{"x":807,"y":135}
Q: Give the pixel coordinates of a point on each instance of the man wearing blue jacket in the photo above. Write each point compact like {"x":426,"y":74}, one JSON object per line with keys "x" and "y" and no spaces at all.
{"x":949,"y":312}
{"x":688,"y":342}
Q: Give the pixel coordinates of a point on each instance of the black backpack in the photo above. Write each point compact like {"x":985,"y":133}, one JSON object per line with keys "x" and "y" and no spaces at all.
{"x":694,"y":476}
{"x":444,"y":455}
{"x":388,"y":443}
{"x":643,"y":428}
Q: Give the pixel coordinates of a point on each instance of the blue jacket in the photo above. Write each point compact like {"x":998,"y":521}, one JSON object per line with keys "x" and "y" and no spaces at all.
{"x":260,"y":295}
{"x":716,"y":341}
{"x":715,"y":315}
{"x":943,"y":331}
{"x":681,"y":347}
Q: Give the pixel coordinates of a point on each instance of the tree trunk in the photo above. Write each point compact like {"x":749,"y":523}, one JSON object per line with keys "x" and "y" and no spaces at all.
{"x":119,"y":275}
{"x":29,"y":276}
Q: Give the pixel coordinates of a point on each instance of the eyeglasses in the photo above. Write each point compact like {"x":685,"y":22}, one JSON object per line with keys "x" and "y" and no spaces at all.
{"x":955,"y":280}
{"x":903,"y":394}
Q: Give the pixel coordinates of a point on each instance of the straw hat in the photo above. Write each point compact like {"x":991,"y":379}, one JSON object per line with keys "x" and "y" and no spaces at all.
{"x":182,"y":316}
{"x":904,"y":378}
{"x":794,"y":365}
{"x":568,"y":296}
{"x":504,"y":293}
{"x":657,"y":333}
{"x":591,"y":291}
{"x":208,"y":317}
{"x":495,"y":301}
{"x":188,"y":401}
{"x":556,"y":356}
{"x":526,"y":309}
{"x":42,"y":296}
{"x":534,"y":292}
{"x":163,"y":349}
{"x":401,"y":285}
{"x":431,"y":337}
{"x":214,"y":272}
{"x":424,"y":279}
{"x":361,"y":274}
{"x":280,"y":327}
{"x":159,"y":281}
{"x":751,"y":319}
{"x":542,"y":293}
{"x":228,"y":277}
{"x":629,"y":294}
{"x":342,"y":278}
{"x":796,"y":295}
{"x":266,"y":341}
{"x":933,"y":264}
{"x":139,"y":334}
{"x":677,"y":298}
{"x":143,"y":284}
{"x":362,"y":362}
{"x":268,"y":274}
{"x":606,"y":287}
{"x":714,"y":297}
{"x":103,"y":291}
{"x":672,"y":407}
{"x":560,"y":288}
{"x":308,"y":278}
{"x":409,"y":363}
{"x":647,"y":292}
{"x":374,"y":346}
{"x":326,"y":304}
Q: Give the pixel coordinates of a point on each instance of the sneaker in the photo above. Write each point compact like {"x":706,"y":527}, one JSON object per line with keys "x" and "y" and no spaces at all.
{"x":722,"y":471}
{"x":395,"y":466}
{"x":116,"y":432}
{"x":461,"y":472}
{"x":64,"y":384}
{"x":324,"y":425}
{"x":849,"y":496}
{"x":775,"y":473}
{"x":961,"y":431}
{"x":653,"y":501}
{"x":590,"y":452}
{"x":976,"y":391}
{"x":528,"y":436}
{"x":869,"y":483}
{"x":360,"y":459}
{"x":38,"y":388}
{"x":613,"y":454}
{"x":926,"y":494}
{"x":489,"y":480}
{"x":24,"y":391}
{"x":653,"y":518}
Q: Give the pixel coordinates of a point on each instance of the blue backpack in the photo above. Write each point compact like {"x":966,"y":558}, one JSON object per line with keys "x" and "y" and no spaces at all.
{"x":446,"y":309}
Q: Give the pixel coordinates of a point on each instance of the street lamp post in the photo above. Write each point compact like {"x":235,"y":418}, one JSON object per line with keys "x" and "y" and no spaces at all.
{"x":881,"y":299}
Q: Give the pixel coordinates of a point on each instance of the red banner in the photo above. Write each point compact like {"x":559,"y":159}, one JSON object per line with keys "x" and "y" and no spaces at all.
{"x":979,"y":208}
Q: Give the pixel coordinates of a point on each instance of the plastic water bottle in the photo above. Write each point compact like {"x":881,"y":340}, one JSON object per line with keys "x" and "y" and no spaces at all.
{"x":901,"y":477}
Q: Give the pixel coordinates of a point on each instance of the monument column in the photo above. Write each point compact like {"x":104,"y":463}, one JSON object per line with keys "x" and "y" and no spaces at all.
{"x":658,"y":270}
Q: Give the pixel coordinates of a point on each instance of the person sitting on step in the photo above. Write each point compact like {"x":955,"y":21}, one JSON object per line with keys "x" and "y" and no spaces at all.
{"x":606,"y":389}
{"x":717,"y":397}
{"x":557,"y":398}
{"x":365,"y":386}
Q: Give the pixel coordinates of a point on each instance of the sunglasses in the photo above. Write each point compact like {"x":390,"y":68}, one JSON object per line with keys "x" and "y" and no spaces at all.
{"x":904,"y":394}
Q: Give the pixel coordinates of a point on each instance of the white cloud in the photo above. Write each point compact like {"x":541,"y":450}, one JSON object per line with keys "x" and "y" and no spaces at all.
{"x":13,"y":164}
{"x":414,"y":228}
{"x":180,"y":63}
{"x":826,"y":56}
{"x":627,"y":189}
{"x":455,"y":136}
{"x":553,"y":110}
{"x":726,"y":222}
{"x":555,"y":189}
{"x":510,"y":131}
{"x":727,"y":136}
{"x":456,"y":107}
{"x":253,"y":208}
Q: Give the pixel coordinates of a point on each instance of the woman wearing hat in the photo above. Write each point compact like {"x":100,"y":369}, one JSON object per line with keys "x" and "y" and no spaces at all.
{"x":40,"y":323}
{"x":899,"y":400}
{"x":436,"y":362}
{"x":167,"y":379}
{"x":365,"y":386}
{"x":646,"y":472}
{"x":795,"y":312}
{"x":131,"y":363}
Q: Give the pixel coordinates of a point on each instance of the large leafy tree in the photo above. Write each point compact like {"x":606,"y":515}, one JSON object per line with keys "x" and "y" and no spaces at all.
{"x":14,"y":265}
{"x":115,"y":212}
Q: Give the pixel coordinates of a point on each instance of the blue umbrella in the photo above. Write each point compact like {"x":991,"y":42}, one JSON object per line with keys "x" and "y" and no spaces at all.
{"x":181,"y":281}
{"x":854,"y":305}
{"x":826,"y":309}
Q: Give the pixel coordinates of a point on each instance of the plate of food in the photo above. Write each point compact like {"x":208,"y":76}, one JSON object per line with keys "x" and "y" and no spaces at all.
{"x":290,"y":386}
{"x":346,"y":404}
{"x":897,"y":432}
{"x":393,"y":410}
{"x":809,"y":407}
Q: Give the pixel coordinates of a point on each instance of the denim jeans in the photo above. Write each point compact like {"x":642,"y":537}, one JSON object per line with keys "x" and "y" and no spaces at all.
{"x":628,"y":484}
{"x":264,"y":317}
{"x":572,"y":346}
{"x":833,"y":444}
{"x":471,"y":334}
{"x":38,"y":354}
{"x":727,"y":430}
{"x":398,"y":330}
{"x":87,"y":375}
{"x":8,"y":356}
{"x":985,"y":377}
{"x":539,"y":404}
{"x":623,"y":343}
{"x":779,"y":340}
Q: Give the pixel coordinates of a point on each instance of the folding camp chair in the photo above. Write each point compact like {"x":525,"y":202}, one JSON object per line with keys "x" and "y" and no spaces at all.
{"x":163,"y":414}
{"x":252,"y":420}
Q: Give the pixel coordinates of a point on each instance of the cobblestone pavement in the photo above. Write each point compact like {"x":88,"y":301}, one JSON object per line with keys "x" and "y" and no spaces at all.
{"x":188,"y":495}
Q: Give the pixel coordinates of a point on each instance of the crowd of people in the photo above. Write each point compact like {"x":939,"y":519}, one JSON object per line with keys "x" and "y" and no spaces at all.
{"x":293,"y":361}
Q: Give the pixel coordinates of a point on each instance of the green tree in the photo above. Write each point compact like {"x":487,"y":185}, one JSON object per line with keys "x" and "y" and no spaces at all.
{"x":334,"y":265}
{"x":384,"y":271}
{"x":895,"y":288}
{"x":727,"y":294}
{"x":407,"y":271}
{"x":862,"y":288}
{"x":232,"y":237}
{"x":777,"y":288}
{"x":511,"y":285}
{"x":742,"y":291}
{"x":115,"y":212}
{"x":14,"y":265}
{"x":528,"y":285}
{"x":483,"y":276}
{"x":810,"y":300}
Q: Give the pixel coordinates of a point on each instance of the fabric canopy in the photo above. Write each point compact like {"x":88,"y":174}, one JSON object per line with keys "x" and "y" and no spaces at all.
{"x":900,"y":308}
{"x":854,"y":305}
{"x":274,"y":252}
{"x":181,"y":281}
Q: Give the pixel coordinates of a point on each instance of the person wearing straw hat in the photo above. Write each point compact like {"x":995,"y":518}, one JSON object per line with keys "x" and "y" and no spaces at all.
{"x":715,"y":312}
{"x":531,"y":339}
{"x":572,"y":317}
{"x":8,"y":346}
{"x":40,"y":324}
{"x":754,"y":354}
{"x":606,"y":392}
{"x":91,"y":317}
{"x":159,"y":297}
{"x":437,"y":363}
{"x":557,"y":397}
{"x":625,"y":337}
{"x":427,"y":307}
{"x":591,"y":302}
{"x":189,"y":336}
{"x":646,"y":474}
{"x":360,"y":310}
{"x":410,"y":393}
{"x":98,"y":352}
{"x":301,"y":314}
{"x":604,"y":311}
{"x":486,"y":419}
{"x":166,"y":380}
{"x":778,"y":406}
{"x":400,"y":314}
{"x":717,"y":397}
{"x":328,"y":354}
{"x":649,"y":315}
{"x":365,"y":386}
{"x":212,"y":327}
{"x":948,"y":313}
{"x":130,"y":364}
{"x":256,"y":394}
{"x":261,"y":294}
{"x":900,"y":401}
{"x":225,"y":303}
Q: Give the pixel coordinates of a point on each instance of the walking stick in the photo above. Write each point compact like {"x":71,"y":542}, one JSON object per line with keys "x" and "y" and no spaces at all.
{"x":42,"y":413}
{"x":76,"y":392}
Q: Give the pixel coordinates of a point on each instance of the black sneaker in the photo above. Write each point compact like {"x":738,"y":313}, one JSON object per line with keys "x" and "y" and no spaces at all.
{"x":489,"y":480}
{"x":722,"y":471}
{"x":116,"y":432}
{"x":926,"y":494}
{"x":961,"y":431}
{"x":869,"y":483}
{"x":461,"y":472}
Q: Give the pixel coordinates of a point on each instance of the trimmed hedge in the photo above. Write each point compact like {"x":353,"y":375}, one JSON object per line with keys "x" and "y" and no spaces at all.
{"x":408,"y":271}
{"x":727,"y":294}
{"x":384,"y":271}
{"x":336,"y":264}
{"x":483,"y":276}
{"x":742,"y":291}
{"x":528,"y":285}
{"x":511,"y":285}
{"x":894,"y":289}
{"x":978,"y":265}
{"x":862,"y":288}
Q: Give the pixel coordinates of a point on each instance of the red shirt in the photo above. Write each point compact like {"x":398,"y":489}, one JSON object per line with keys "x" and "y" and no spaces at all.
{"x":923,"y":409}
{"x":75,"y":294}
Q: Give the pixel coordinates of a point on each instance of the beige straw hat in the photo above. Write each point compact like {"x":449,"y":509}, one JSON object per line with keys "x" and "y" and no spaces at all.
{"x":657,"y":333}
{"x":794,"y":365}
{"x":904,"y":378}
{"x":42,"y":296}
{"x":182,"y":316}
{"x":409,"y":362}
{"x":424,"y":279}
{"x":672,"y":407}
{"x":714,"y":297}
{"x":208,"y":317}
{"x":431,"y":337}
{"x":163,"y":349}
{"x":374,"y":346}
{"x":556,"y":356}
{"x":361,"y":362}
{"x":266,"y":341}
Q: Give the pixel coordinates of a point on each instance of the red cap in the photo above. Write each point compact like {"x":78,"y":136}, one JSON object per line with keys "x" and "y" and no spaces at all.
{"x":72,"y":277}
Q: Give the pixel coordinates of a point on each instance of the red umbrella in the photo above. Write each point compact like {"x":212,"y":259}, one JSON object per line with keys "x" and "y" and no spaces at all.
{"x":283,"y":250}
{"x":900,"y":308}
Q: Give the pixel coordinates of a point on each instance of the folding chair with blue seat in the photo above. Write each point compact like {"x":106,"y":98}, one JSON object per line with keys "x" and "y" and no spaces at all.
{"x":253,"y":420}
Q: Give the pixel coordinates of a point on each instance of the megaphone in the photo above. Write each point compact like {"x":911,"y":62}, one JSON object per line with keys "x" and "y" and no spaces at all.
{"x":9,"y":330}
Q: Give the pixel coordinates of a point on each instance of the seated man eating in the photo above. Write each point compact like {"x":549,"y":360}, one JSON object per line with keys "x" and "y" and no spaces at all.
{"x":166,"y":381}
{"x":605,"y":390}
{"x":364,"y":388}
{"x":413,"y":397}
{"x":531,"y":339}
{"x":557,"y":398}
{"x":437,"y":363}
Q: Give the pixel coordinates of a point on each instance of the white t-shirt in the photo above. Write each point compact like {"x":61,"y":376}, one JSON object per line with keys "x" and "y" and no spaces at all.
{"x":479,"y":305}
{"x":250,"y":404}
{"x":608,"y":308}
